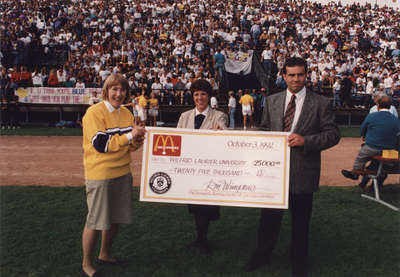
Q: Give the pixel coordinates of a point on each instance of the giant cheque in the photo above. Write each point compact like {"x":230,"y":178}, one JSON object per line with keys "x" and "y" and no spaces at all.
{"x":231,"y":168}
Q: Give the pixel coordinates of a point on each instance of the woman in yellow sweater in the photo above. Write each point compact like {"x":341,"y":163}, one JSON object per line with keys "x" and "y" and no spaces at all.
{"x":109,"y":134}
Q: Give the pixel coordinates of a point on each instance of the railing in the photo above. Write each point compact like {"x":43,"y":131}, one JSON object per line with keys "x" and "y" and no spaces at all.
{"x":169,"y":114}
{"x":51,"y":113}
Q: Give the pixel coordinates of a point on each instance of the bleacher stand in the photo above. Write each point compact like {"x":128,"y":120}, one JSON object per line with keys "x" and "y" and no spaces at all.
{"x":161,"y":40}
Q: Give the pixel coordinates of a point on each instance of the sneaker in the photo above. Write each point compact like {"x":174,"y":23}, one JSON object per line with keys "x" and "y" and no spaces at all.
{"x":349,"y":174}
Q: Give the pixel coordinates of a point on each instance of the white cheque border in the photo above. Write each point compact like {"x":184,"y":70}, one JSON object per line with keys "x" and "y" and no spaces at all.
{"x":147,"y":153}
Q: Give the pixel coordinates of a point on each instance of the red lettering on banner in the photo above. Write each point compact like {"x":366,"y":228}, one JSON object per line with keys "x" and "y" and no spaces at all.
{"x":47,"y":90}
{"x":64,"y":91}
{"x":57,"y":99}
{"x":45,"y":99}
{"x":77,"y":99}
{"x":59,"y":95}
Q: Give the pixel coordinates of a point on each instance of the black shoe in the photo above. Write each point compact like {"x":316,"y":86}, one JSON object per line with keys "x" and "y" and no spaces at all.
{"x":299,"y":275}
{"x":202,"y":246}
{"x":116,"y":262}
{"x":255,"y":262}
{"x":364,"y":182}
{"x":349,"y":174}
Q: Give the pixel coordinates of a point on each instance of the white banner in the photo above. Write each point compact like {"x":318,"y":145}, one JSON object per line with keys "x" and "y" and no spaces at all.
{"x":238,"y":62}
{"x":230,"y":168}
{"x":381,"y":3}
{"x":43,"y":95}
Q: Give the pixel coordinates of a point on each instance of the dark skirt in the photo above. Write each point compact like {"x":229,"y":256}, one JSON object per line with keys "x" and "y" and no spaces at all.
{"x":210,"y":212}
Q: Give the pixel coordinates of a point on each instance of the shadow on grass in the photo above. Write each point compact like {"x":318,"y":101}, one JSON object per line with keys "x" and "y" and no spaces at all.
{"x":52,"y":131}
{"x":350,"y":236}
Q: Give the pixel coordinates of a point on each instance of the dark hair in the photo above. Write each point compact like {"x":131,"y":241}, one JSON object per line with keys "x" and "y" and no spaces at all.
{"x":294,"y":61}
{"x":201,"y":84}
{"x":384,"y":102}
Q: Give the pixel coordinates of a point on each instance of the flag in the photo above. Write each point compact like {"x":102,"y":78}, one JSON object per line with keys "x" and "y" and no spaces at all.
{"x":238,"y":62}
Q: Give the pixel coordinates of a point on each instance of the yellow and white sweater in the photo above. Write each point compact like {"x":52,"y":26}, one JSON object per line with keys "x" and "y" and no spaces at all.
{"x":107,"y":142}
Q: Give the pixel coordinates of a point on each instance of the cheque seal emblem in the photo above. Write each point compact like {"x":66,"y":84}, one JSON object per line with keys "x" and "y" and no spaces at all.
{"x":160,"y":182}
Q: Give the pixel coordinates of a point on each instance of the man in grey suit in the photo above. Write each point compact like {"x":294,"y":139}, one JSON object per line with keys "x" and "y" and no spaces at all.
{"x":202,"y":117}
{"x":309,"y":119}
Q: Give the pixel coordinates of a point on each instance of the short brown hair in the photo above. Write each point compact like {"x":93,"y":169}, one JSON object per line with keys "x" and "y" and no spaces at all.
{"x":112,"y":80}
{"x":202,"y":84}
{"x":294,"y":61}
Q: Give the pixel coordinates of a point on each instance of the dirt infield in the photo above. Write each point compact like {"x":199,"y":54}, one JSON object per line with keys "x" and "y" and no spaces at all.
{"x":57,"y":161}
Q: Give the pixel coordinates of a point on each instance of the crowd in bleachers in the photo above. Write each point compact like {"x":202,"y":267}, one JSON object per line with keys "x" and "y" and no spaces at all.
{"x":162,"y":45}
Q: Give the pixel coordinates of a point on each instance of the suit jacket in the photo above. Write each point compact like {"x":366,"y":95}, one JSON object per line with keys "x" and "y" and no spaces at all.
{"x":213,"y":118}
{"x":317,"y":125}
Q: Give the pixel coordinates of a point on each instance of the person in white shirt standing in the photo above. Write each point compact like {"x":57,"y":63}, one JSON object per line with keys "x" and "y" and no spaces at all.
{"x":37,"y":80}
{"x":266,"y":56}
{"x":369,"y":90}
{"x":62,"y":76}
{"x":80,"y":84}
{"x":213,"y":101}
{"x":336,"y":92}
{"x":231,"y":109}
{"x":387,"y":84}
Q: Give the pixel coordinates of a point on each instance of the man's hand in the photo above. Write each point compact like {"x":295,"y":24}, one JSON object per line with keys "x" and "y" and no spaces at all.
{"x":295,"y":140}
{"x":138,"y":134}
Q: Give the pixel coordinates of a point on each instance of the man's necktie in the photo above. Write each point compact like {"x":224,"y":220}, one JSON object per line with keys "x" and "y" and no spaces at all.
{"x":289,"y":114}
{"x":198,"y":120}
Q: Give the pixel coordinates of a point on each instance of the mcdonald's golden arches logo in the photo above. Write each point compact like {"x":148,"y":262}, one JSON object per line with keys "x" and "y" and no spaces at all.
{"x":167,"y":145}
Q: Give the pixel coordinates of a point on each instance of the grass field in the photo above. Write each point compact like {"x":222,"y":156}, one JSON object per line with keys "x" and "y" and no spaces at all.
{"x":40,"y":234}
{"x":41,"y":131}
{"x":350,"y":237}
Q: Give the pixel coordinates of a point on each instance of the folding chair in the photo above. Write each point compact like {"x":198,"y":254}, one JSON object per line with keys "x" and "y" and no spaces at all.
{"x":388,"y":163}
{"x":383,"y":161}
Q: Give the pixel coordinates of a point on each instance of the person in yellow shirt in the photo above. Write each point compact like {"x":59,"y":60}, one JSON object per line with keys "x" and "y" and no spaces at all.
{"x":142,"y":108}
{"x":109,"y":135}
{"x":153,"y":110}
{"x":163,"y":35}
{"x":247,"y":103}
